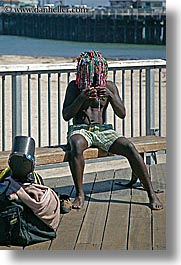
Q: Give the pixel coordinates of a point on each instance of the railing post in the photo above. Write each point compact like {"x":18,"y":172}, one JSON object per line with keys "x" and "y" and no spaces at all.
{"x":150,"y":111}
{"x":150,"y":102}
{"x":3,"y":114}
{"x":16,"y":106}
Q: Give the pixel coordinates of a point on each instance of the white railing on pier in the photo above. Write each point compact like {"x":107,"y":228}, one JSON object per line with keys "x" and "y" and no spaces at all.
{"x":31,"y":100}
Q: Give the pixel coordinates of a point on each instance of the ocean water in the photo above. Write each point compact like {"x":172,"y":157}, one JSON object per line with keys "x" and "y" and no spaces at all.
{"x":15,"y":45}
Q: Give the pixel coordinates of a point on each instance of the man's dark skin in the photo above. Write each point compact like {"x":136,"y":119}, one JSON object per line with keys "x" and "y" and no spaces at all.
{"x":83,"y":106}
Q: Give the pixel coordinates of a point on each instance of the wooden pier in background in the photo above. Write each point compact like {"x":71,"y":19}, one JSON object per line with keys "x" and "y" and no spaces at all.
{"x":123,"y":28}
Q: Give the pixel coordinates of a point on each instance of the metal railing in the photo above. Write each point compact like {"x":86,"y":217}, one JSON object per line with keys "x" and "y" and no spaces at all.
{"x":31,"y":100}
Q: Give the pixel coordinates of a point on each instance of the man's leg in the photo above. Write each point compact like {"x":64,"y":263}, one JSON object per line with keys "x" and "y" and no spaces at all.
{"x":123,"y":146}
{"x":76,"y":162}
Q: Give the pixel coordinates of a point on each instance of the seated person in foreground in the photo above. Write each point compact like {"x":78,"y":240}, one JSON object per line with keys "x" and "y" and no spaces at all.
{"x":86,"y":101}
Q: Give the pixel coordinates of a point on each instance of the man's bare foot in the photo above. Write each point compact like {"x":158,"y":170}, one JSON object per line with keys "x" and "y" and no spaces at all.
{"x":78,"y":203}
{"x":155,"y":204}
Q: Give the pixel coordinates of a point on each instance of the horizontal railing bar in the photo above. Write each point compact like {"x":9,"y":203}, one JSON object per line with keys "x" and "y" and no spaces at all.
{"x":120,"y":68}
{"x":71,"y":67}
{"x":37,"y":72}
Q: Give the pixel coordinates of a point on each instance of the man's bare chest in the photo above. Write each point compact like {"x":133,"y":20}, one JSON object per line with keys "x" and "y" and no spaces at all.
{"x":92,"y":105}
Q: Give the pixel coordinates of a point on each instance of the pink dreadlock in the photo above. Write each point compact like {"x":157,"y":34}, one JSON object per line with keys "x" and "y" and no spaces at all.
{"x":89,"y":64}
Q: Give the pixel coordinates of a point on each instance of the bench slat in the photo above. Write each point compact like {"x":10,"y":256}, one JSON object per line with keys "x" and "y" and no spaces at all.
{"x":148,"y":144}
{"x":58,"y":154}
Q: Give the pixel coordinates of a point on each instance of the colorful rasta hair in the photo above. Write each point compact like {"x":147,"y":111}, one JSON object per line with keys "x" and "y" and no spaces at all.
{"x":89,"y":64}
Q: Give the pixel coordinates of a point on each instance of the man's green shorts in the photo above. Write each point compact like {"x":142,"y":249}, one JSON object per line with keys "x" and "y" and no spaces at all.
{"x":98,"y":135}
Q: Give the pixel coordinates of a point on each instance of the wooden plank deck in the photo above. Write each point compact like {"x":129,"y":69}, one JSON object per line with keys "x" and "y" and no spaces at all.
{"x":113,"y":217}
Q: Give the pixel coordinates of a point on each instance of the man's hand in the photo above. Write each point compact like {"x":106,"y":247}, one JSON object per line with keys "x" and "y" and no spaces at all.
{"x":89,"y":93}
{"x":104,"y":92}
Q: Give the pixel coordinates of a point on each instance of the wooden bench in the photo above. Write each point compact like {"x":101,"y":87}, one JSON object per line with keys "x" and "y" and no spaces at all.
{"x":59,"y":154}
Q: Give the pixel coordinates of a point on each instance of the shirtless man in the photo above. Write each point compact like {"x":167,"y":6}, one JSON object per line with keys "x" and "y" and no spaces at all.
{"x":86,"y":101}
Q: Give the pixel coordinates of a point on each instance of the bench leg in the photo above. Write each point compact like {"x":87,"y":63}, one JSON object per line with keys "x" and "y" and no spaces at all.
{"x":151,"y":159}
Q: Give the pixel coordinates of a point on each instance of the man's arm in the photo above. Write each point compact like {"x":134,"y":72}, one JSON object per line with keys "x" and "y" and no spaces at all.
{"x":111,"y":91}
{"x":74,"y":100}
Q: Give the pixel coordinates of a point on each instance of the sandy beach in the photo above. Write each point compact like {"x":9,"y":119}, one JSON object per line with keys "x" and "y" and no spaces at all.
{"x":18,"y":59}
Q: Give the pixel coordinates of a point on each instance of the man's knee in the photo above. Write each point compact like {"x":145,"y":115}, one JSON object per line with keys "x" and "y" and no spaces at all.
{"x":77,"y":145}
{"x":131,"y":150}
{"x":125,"y":147}
{"x":130,"y":146}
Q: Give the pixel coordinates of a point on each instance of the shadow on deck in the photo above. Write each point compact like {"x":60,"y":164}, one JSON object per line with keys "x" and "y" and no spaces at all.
{"x":113,"y":217}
